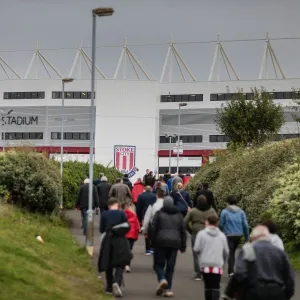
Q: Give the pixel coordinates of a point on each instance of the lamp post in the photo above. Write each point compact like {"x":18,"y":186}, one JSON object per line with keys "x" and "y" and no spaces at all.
{"x":97,"y":12}
{"x":170,"y":150}
{"x":4,"y":115}
{"x":64,"y":81}
{"x":178,"y":140}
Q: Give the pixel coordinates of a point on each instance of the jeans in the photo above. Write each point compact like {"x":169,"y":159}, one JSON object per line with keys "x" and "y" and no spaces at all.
{"x":147,"y":244}
{"x":164,"y":264}
{"x":113,"y":276}
{"x":212,"y":286}
{"x":195,"y":258}
{"x":233,"y":243}
{"x":83,"y":219}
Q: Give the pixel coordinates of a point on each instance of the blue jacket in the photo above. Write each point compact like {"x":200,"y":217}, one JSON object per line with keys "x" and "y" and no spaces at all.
{"x":233,"y":222}
{"x":169,"y":184}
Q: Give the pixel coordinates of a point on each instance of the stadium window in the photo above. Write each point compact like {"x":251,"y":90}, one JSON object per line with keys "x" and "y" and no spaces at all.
{"x":199,"y":97}
{"x":23,"y":135}
{"x":89,"y":95}
{"x":287,"y":95}
{"x":221,"y":97}
{"x":178,"y":98}
{"x":279,"y":95}
{"x":55,"y":135}
{"x":33,"y":95}
{"x":272,"y":95}
{"x":75,"y":135}
{"x":219,"y":139}
{"x":77,"y":95}
{"x":213,"y":97}
{"x":68,"y":135}
{"x":56,"y":95}
{"x":41,"y":95}
{"x":27,"y":95}
{"x":69,"y":95}
{"x":20,"y":95}
{"x":83,"y":95}
{"x":169,"y":98}
{"x":249,"y":96}
{"x":6,"y":96}
{"x":13,"y":96}
{"x":184,"y":98}
{"x":84,"y":136}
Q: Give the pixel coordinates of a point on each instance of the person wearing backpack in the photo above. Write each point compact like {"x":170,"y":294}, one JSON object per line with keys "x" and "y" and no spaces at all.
{"x":233,"y":222}
{"x":182,"y":199}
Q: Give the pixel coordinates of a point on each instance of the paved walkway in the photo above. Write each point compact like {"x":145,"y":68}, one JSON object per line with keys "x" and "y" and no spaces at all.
{"x":141,"y":283}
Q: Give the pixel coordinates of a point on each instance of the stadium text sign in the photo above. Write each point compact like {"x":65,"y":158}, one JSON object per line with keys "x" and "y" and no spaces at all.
{"x":20,"y":120}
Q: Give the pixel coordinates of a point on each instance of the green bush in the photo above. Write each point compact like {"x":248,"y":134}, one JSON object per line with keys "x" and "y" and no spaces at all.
{"x":74,"y":174}
{"x":285,"y":203}
{"x":249,"y":174}
{"x":30,"y":180}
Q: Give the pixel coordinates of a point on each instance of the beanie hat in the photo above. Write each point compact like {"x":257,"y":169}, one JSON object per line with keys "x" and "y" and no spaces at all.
{"x":168,"y":200}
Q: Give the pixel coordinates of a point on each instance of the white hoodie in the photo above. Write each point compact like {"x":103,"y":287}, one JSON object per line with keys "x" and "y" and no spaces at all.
{"x":276,"y":241}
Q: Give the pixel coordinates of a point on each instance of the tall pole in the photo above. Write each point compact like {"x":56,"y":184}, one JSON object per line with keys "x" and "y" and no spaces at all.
{"x":170,"y":140}
{"x":62,"y":138}
{"x":178,"y":140}
{"x":89,"y":236}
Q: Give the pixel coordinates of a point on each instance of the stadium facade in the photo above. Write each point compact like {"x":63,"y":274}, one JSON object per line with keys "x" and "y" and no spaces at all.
{"x":133,"y":117}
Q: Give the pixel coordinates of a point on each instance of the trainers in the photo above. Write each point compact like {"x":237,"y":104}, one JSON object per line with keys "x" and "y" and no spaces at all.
{"x":148,"y":252}
{"x":127,"y":269}
{"x":197,"y":278}
{"x":230,"y":275}
{"x":163,"y":284}
{"x":117,"y":291}
{"x":108,"y":291}
{"x":151,"y":250}
{"x":168,"y":294}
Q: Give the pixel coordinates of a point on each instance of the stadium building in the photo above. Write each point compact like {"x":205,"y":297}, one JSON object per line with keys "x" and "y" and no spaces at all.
{"x":136,"y":120}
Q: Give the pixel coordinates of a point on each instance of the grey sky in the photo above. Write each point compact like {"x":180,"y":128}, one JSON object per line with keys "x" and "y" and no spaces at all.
{"x":65,"y":23}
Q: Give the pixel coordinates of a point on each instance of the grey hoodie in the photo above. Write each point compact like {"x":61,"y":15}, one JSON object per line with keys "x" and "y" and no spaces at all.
{"x":211,"y":247}
{"x":151,"y":211}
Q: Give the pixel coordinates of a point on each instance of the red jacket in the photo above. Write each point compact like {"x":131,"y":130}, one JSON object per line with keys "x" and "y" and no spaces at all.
{"x":186,"y":180}
{"x":133,"y":233}
{"x":138,"y":189}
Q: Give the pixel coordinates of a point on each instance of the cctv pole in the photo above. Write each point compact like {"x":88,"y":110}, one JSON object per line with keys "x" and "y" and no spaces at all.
{"x":178,"y":140}
{"x":62,"y":138}
{"x":170,"y":153}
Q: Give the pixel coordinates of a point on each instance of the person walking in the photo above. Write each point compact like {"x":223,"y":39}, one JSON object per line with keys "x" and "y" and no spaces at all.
{"x":149,"y":179}
{"x":103,"y":191}
{"x":204,"y":190}
{"x":149,"y":215}
{"x":182,"y":199}
{"x":168,"y":236}
{"x":274,"y":237}
{"x":122,"y":192}
{"x":195,"y":222}
{"x":176,"y":179}
{"x":144,"y":200}
{"x":233,"y":222}
{"x":167,"y":176}
{"x":186,"y":179}
{"x":162,"y":185}
{"x":133,"y":234}
{"x":127,"y":181}
{"x":82,"y":202}
{"x":262,"y":270}
{"x":212,"y":251}
{"x":138,"y":188}
{"x":115,"y":252}
{"x":98,"y":180}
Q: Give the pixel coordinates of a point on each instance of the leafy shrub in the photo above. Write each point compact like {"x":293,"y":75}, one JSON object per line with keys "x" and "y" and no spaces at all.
{"x":285,"y":203}
{"x":249,"y":174}
{"x":74,"y":174}
{"x":30,"y":180}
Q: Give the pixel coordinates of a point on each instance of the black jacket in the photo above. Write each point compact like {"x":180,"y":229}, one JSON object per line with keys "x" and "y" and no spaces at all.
{"x":103,"y":190}
{"x":168,"y":229}
{"x":115,"y":250}
{"x":144,"y":200}
{"x":149,"y":180}
{"x":167,"y":176}
{"x":82,"y":201}
{"x":128,"y":183}
{"x":209,"y":196}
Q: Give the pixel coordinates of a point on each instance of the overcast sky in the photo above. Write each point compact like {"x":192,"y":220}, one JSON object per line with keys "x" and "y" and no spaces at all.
{"x":65,"y":23}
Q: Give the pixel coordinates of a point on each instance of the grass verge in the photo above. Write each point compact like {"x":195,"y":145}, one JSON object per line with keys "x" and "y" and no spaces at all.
{"x":29,"y":270}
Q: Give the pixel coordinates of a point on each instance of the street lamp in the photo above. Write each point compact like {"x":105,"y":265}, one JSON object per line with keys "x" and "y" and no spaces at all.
{"x":4,"y":115}
{"x":97,"y":12}
{"x":64,"y":81}
{"x":181,"y":104}
{"x":170,"y":151}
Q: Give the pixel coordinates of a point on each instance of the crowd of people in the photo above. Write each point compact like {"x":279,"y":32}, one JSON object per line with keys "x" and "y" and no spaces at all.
{"x":162,"y":210}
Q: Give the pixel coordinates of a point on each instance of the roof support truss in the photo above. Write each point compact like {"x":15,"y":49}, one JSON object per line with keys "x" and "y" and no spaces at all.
{"x":6,"y":68}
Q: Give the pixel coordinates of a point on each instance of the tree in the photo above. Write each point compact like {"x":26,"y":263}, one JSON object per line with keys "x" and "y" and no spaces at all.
{"x":250,"y":122}
{"x":296,"y":107}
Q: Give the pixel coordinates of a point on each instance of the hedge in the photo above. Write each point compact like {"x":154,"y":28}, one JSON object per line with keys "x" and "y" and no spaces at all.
{"x":250,"y":174}
{"x":74,"y":174}
{"x":30,"y":180}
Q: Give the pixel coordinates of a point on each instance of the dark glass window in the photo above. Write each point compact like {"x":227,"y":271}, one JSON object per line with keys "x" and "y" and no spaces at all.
{"x":192,"y":98}
{"x":219,"y":139}
{"x":71,"y":135}
{"x":68,"y":135}
{"x":178,"y":98}
{"x":279,"y":95}
{"x":13,"y":96}
{"x":199,"y":97}
{"x":56,"y":95}
{"x":83,"y":95}
{"x":7,"y":96}
{"x":221,"y":97}
{"x":287,"y":95}
{"x":20,"y":95}
{"x":184,"y":170}
{"x":41,"y":95}
{"x":170,"y":98}
{"x":23,"y":135}
{"x":213,"y":97}
{"x":77,"y":95}
{"x":185,"y":139}
{"x":27,"y":95}
{"x":185,"y":98}
{"x":34,"y":95}
{"x":69,"y":95}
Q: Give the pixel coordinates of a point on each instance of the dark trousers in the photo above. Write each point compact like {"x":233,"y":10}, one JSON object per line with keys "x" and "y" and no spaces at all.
{"x":164,"y":261}
{"x":233,"y":243}
{"x":195,"y":258}
{"x":83,"y":219}
{"x":266,"y":292}
{"x":147,"y":243}
{"x":113,"y":276}
{"x":131,"y":243}
{"x":212,"y":286}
